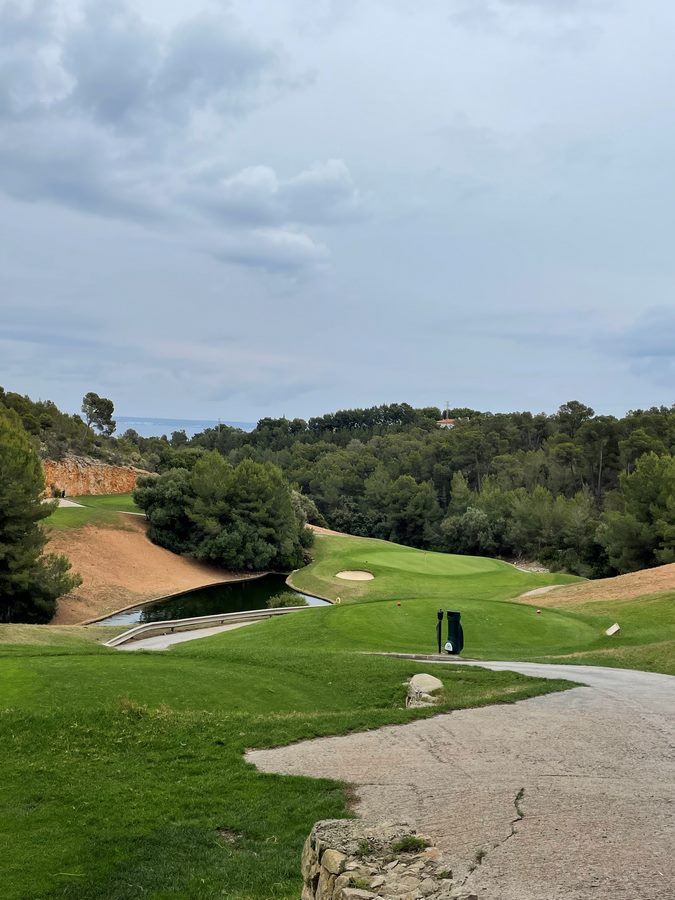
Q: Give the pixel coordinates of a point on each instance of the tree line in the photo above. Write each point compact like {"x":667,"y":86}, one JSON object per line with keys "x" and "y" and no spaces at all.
{"x":591,"y":494}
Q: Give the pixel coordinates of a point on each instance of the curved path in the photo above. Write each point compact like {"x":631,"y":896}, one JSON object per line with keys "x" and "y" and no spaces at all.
{"x":570,"y":795}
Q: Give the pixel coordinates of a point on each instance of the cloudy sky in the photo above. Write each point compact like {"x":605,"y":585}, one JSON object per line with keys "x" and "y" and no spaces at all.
{"x":248,"y":208}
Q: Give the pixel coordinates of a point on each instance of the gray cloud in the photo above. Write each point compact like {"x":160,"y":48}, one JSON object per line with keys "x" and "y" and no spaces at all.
{"x":273,"y":249}
{"x":646,"y":346}
{"x":110,"y":114}
{"x":322,"y":194}
{"x":194,"y":227}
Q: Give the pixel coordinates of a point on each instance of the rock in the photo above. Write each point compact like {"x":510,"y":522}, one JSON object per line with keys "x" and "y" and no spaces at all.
{"x":422,"y":690}
{"x":308,"y":859}
{"x":424,"y":684}
{"x":356,"y":894}
{"x":333,"y":861}
{"x":80,"y":475}
{"x":324,"y":889}
{"x":355,"y":860}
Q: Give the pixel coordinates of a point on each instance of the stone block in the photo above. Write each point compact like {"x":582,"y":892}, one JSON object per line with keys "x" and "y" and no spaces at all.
{"x":334,"y":861}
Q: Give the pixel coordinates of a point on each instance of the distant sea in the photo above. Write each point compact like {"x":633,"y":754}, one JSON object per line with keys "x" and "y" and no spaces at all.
{"x":147,"y":426}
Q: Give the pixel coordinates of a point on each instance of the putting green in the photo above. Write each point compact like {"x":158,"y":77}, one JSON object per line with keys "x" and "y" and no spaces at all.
{"x":397,"y":610}
{"x":402,"y":572}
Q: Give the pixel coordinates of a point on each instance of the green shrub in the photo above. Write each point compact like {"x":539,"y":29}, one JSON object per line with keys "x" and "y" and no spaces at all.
{"x":286,"y":598}
{"x":410,"y":843}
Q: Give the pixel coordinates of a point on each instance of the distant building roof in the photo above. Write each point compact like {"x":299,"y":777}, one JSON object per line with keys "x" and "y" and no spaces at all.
{"x":446,"y":423}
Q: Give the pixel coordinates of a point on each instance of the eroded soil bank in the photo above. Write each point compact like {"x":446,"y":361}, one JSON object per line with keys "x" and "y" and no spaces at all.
{"x":120,"y":567}
{"x":622,"y":587}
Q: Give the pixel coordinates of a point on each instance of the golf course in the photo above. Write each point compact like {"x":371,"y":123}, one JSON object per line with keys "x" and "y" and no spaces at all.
{"x":145,"y":750}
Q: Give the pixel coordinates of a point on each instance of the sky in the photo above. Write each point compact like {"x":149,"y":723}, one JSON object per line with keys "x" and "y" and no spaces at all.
{"x":215,"y":209}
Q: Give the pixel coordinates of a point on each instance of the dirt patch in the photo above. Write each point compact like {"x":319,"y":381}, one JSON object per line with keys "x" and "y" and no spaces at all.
{"x":623,"y":587}
{"x":355,"y":575}
{"x":122,"y":567}
{"x":318,"y":529}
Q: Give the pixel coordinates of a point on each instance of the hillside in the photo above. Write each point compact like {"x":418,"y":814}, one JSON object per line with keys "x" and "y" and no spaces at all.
{"x":622,"y":587}
{"x":120,"y":566}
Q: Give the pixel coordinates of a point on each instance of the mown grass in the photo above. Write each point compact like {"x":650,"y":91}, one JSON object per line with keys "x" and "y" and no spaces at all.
{"x":403,"y":573}
{"x":115,"y":502}
{"x":71,"y":517}
{"x":410,"y":585}
{"x":646,"y":640}
{"x":74,"y":636}
{"x":120,"y":770}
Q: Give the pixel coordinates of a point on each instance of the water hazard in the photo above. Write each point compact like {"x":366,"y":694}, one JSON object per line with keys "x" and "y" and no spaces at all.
{"x":235,"y":596}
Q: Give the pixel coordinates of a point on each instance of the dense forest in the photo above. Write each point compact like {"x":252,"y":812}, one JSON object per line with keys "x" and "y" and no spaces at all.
{"x":594,"y":495}
{"x":591,"y":494}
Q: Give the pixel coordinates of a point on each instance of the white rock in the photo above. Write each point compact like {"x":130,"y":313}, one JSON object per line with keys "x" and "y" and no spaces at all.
{"x":424,"y":684}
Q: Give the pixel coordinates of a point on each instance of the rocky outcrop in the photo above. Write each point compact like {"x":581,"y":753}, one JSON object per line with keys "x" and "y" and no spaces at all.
{"x":351,"y":859}
{"x":80,"y":475}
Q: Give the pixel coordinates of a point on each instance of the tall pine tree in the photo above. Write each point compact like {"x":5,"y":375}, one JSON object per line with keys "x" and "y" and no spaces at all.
{"x":30,"y":582}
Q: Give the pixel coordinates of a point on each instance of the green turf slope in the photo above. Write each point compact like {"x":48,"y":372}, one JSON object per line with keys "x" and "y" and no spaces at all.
{"x":404,"y":573}
{"x":121,"y":771}
{"x":410,"y":585}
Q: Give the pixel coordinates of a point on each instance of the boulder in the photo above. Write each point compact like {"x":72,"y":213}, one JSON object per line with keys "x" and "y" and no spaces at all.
{"x":423,"y":690}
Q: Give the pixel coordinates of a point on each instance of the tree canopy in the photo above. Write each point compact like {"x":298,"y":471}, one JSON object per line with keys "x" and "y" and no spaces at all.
{"x":98,"y":412}
{"x":30,"y":582}
{"x":240,"y":517}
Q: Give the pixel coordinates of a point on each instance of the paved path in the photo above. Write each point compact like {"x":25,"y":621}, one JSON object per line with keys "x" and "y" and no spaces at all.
{"x":166,"y":641}
{"x":596,"y":764}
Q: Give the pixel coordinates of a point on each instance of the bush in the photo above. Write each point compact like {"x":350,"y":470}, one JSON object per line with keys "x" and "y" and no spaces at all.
{"x":238,"y":517}
{"x":286,"y":598}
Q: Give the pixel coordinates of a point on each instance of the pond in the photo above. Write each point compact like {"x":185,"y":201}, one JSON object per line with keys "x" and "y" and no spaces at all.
{"x":234,"y":596}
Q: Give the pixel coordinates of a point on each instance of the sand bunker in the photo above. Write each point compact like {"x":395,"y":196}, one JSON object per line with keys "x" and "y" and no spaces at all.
{"x":355,"y":575}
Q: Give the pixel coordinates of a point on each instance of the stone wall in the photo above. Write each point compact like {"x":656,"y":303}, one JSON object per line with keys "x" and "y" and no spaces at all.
{"x":345,"y":859}
{"x":79,"y":475}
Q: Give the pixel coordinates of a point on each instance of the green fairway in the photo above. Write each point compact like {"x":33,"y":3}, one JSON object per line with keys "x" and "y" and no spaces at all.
{"x":479,"y":588}
{"x":403,"y":573}
{"x":114,"y":502}
{"x":103,"y":510}
{"x":126,"y":768}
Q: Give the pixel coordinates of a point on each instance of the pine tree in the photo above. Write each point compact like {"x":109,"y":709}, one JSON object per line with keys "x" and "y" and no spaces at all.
{"x":30,"y":582}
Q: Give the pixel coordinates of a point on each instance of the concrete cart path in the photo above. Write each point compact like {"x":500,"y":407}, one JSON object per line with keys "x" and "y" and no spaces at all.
{"x":166,"y":641}
{"x":591,"y":771}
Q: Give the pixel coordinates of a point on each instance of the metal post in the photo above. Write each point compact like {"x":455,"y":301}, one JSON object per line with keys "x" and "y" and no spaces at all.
{"x":439,"y":627}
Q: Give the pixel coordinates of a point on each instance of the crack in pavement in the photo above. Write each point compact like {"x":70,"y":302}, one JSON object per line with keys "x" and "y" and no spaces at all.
{"x":481,"y":855}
